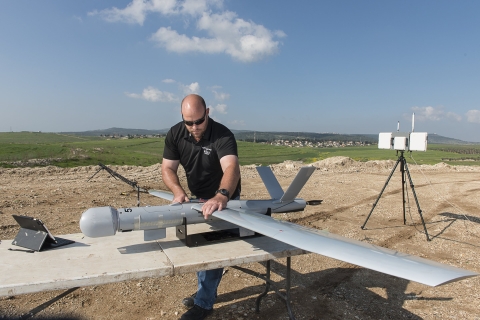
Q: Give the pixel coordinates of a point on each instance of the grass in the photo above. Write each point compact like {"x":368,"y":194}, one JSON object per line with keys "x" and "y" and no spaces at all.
{"x":263,"y":154}
{"x":26,"y":137}
{"x":434,"y":154}
{"x":78,"y":151}
{"x":72,"y":151}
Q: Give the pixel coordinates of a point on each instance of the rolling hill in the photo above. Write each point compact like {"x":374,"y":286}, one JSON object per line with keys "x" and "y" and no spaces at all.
{"x":261,"y":136}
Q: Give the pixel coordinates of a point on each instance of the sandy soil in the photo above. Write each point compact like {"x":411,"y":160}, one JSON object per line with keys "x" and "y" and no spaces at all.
{"x":323,"y":288}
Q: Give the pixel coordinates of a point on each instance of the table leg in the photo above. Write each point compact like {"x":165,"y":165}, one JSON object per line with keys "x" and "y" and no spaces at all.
{"x":269,"y":283}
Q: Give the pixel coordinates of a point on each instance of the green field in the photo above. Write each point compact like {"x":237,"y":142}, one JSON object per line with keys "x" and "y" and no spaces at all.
{"x":17,"y":148}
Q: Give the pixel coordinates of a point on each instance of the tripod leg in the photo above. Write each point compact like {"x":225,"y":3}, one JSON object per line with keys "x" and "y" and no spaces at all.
{"x":381,"y":192}
{"x":95,"y":174}
{"x":138,"y":196}
{"x":402,"y":170}
{"x":416,"y":201}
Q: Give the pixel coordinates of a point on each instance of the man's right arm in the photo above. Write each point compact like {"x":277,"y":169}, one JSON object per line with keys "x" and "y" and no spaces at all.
{"x":170,"y":178}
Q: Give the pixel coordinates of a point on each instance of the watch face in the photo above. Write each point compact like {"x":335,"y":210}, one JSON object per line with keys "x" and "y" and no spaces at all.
{"x":223,"y":192}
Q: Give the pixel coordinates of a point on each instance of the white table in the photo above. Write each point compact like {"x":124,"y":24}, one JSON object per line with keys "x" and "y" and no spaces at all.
{"x":126,"y":256}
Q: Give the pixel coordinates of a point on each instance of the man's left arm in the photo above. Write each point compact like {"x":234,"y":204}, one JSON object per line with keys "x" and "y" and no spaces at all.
{"x":231,"y":176}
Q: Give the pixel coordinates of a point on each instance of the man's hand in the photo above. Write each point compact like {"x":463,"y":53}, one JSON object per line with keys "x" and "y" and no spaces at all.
{"x":180,"y":198}
{"x":217,"y":203}
{"x":170,"y":178}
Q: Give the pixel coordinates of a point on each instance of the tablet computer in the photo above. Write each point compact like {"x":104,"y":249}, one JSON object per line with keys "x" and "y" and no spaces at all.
{"x":35,"y":235}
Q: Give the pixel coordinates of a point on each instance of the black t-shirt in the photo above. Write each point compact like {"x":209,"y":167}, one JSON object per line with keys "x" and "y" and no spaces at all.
{"x":201,"y":160}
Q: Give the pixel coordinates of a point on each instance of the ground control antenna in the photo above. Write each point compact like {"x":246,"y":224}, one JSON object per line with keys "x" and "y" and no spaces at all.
{"x":401,"y":142}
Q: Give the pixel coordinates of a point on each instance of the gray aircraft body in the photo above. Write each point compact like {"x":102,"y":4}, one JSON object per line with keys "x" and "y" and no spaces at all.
{"x":251,"y":215}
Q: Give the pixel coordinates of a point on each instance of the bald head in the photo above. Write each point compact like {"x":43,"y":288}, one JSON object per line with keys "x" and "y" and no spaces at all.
{"x":193,"y":101}
{"x":195,"y":115}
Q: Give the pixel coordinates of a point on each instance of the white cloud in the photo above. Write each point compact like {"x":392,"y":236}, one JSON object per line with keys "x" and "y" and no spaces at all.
{"x":434,"y":114}
{"x":154,"y":95}
{"x":453,"y":116}
{"x":237,"y":122}
{"x":136,"y":11}
{"x":191,"y":88}
{"x":196,"y":7}
{"x":243,"y":40}
{"x":220,"y":108}
{"x":221,"y":96}
{"x":473,"y":116}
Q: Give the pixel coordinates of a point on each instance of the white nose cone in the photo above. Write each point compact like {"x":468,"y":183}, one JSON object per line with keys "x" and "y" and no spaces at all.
{"x":99,"y":222}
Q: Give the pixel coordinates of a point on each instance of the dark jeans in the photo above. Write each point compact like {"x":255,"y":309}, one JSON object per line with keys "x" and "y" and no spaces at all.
{"x":208,"y":282}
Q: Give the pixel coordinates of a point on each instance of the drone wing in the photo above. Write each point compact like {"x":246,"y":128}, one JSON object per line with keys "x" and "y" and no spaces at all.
{"x":334,"y":246}
{"x":161,"y":194}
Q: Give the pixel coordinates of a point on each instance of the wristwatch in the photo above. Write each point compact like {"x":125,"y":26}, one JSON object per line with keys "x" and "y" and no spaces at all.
{"x":223,"y":192}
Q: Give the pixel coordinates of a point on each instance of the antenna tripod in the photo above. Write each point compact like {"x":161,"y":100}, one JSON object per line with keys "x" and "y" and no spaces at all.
{"x":403,"y":169}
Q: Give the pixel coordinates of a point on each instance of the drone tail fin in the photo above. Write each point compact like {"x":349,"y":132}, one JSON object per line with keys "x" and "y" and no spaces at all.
{"x":271,"y":182}
{"x":274,"y":188}
{"x":297,"y":184}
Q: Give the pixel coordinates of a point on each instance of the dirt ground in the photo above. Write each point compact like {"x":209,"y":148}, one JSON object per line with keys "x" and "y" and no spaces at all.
{"x":322,"y":288}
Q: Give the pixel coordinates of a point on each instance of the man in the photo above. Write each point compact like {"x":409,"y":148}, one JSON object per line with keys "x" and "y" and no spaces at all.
{"x":207,"y":150}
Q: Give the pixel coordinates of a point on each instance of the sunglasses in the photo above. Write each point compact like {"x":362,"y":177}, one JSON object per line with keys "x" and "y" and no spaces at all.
{"x":196,"y":122}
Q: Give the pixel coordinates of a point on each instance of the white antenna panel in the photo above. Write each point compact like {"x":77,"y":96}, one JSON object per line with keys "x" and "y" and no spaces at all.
{"x":385,"y":140}
{"x":418,"y":141}
{"x":400,"y":143}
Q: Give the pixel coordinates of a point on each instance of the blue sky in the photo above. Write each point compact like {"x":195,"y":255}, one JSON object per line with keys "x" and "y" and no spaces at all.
{"x":316,"y":66}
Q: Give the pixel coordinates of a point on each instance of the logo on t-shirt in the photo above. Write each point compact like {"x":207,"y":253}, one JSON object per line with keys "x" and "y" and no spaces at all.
{"x":206,"y":150}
